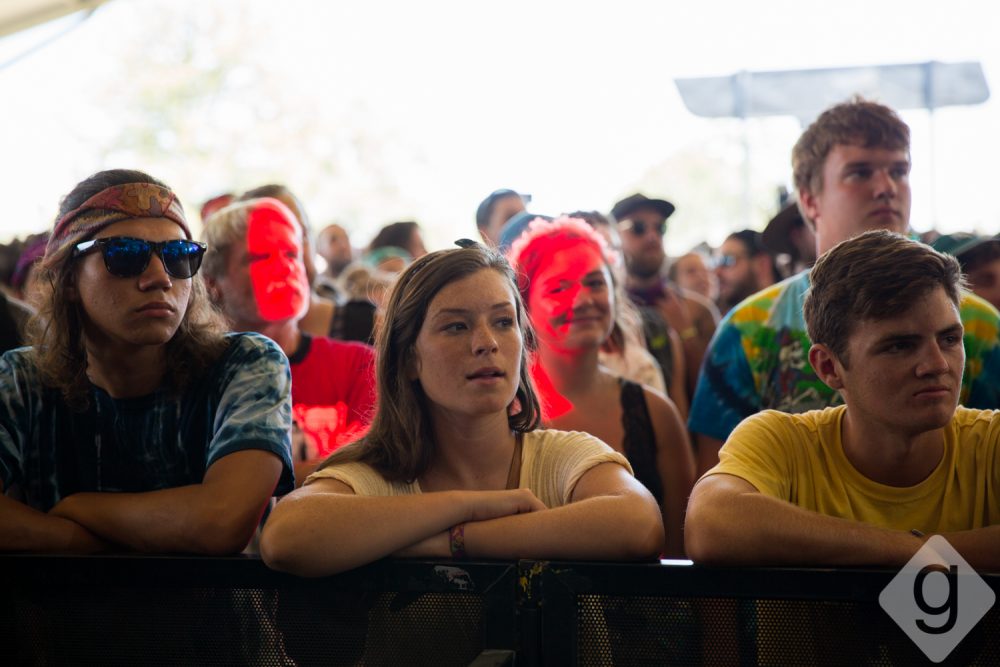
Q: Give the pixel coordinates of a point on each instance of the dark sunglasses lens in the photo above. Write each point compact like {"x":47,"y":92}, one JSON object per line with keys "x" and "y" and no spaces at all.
{"x":181,"y":259}
{"x":126,"y":257}
{"x":639,"y":228}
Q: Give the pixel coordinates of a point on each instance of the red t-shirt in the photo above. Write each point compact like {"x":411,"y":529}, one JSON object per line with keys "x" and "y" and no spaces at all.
{"x":333,"y":390}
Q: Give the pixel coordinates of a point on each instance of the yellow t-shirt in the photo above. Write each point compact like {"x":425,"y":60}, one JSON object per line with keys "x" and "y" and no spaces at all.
{"x":552,"y":462}
{"x":800,"y":458}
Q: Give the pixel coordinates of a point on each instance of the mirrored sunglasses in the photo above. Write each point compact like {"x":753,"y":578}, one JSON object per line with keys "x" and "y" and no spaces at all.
{"x":128,"y":257}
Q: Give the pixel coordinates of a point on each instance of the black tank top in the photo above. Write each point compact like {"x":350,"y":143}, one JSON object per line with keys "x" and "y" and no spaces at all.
{"x":639,"y":444}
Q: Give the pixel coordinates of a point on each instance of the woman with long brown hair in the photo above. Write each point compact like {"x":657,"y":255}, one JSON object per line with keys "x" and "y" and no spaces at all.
{"x":454,"y":465}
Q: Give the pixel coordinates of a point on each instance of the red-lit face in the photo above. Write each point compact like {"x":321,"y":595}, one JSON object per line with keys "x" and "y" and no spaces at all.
{"x":570,"y":300}
{"x":274,"y":252}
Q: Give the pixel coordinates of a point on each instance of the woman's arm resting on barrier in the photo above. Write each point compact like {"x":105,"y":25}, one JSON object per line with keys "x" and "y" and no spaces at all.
{"x":323,"y":528}
{"x":23,"y":528}
{"x":729,"y":522}
{"x":216,"y":517}
{"x":611,"y":516}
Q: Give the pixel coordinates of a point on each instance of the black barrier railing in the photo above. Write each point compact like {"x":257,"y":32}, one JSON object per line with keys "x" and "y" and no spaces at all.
{"x":135,"y":610}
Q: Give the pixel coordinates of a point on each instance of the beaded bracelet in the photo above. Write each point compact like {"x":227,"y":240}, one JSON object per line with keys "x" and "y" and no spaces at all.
{"x":457,"y":541}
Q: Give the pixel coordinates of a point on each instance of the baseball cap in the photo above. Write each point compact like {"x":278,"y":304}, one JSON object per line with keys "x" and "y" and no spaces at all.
{"x":626,"y":206}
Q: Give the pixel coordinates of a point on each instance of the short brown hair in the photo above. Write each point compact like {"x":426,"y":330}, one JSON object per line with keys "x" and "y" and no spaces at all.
{"x":857,"y":122}
{"x":400,"y":442}
{"x":873,"y":276}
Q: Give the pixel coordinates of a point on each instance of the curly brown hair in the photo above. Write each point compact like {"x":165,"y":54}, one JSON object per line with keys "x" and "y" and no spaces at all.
{"x":56,"y":330}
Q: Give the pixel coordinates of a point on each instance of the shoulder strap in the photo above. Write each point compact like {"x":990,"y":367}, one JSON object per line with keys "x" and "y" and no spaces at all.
{"x":514,"y":475}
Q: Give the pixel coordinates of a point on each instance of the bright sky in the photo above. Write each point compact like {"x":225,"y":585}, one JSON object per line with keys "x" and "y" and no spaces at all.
{"x":573,"y":102}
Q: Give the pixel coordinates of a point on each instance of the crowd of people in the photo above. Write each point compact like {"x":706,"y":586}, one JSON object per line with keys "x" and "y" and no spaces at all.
{"x":822,"y":392}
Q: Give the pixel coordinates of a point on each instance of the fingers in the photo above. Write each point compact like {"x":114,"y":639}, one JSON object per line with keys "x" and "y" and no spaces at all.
{"x":533,"y":504}
{"x":485,"y":505}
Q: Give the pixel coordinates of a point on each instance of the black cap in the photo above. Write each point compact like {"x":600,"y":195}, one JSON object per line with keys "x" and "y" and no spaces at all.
{"x":626,"y":206}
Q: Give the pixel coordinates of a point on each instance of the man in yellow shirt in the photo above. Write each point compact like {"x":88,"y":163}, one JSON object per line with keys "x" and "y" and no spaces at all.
{"x":867,"y":482}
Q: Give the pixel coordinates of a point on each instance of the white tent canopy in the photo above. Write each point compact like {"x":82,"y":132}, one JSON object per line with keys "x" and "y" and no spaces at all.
{"x":17,"y":15}
{"x":804,"y":93}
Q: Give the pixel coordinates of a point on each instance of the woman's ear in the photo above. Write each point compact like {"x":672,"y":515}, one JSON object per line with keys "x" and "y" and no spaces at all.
{"x":828,"y":368}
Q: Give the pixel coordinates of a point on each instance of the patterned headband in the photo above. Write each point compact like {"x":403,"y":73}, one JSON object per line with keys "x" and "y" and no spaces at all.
{"x":117,"y":203}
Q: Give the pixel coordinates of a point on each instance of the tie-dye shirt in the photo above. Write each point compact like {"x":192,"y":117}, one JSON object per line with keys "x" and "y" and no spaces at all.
{"x":49,"y":451}
{"x":758,"y":360}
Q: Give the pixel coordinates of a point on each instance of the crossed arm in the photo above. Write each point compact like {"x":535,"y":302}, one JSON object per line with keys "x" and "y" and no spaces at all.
{"x":324,"y":528}
{"x":217,"y":516}
{"x":25,"y":529}
{"x":729,"y":522}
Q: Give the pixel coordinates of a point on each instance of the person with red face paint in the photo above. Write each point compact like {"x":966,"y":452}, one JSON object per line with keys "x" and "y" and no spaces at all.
{"x":353,"y":319}
{"x":133,"y":421}
{"x":453,"y":464}
{"x":641,"y":347}
{"x":255,"y":274}
{"x":568,"y":290}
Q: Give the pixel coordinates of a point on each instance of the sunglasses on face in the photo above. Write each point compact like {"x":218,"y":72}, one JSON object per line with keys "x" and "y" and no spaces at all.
{"x":128,"y":257}
{"x":638,"y":227}
{"x":728,"y":260}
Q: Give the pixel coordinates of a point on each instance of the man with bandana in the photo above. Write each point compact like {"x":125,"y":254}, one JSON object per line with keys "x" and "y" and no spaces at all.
{"x":255,"y":274}
{"x":133,"y":422}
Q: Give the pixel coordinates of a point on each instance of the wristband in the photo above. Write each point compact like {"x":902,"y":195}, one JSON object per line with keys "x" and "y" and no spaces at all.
{"x":689,"y":333}
{"x":456,"y":541}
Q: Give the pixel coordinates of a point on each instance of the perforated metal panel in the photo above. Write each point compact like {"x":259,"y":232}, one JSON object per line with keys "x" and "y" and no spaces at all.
{"x":234,"y":611}
{"x":168,"y":612}
{"x":641,"y":630}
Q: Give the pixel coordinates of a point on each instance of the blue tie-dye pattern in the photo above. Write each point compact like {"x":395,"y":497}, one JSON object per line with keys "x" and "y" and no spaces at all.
{"x":47,"y":451}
